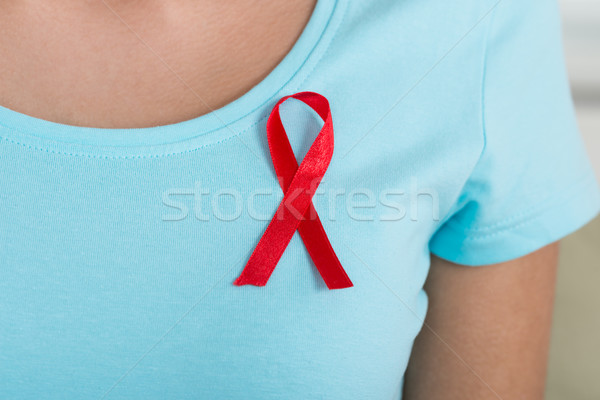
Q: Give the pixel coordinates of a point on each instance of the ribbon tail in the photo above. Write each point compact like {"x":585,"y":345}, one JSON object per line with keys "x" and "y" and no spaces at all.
{"x":321,"y":252}
{"x":270,"y":248}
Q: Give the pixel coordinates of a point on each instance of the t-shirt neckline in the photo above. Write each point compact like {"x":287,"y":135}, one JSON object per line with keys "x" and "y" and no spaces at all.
{"x":217,"y":126}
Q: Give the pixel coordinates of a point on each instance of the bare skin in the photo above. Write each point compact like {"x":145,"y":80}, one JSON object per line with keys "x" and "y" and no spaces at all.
{"x":81,"y":64}
{"x":126,"y":64}
{"x":492,"y":331}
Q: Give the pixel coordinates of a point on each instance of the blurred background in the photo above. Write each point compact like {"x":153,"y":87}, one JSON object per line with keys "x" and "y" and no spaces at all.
{"x":574,"y":371}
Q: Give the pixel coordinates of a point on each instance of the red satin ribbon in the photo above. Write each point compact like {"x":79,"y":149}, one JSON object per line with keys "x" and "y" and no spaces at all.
{"x":296,"y":211}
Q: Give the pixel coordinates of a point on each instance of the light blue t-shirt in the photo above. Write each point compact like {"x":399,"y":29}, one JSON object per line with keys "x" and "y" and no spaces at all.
{"x":454,"y":134}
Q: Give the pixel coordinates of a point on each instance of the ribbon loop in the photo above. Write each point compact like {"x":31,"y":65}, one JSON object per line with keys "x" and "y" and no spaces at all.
{"x":296,"y":211}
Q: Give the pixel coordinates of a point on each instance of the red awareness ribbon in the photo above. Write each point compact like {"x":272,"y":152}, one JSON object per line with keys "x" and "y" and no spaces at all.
{"x":296,"y":211}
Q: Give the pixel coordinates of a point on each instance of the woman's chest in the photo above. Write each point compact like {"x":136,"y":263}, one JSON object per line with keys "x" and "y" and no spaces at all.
{"x":124,"y":268}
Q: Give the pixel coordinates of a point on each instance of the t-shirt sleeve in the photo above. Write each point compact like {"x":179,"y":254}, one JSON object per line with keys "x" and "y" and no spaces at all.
{"x":533,"y":183}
